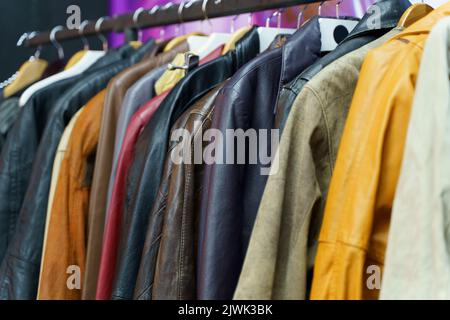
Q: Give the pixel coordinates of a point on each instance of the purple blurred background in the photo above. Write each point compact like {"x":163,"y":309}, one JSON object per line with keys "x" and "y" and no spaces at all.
{"x":354,"y":8}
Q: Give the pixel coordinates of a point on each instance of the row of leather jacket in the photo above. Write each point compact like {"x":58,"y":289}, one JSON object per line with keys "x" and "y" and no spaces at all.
{"x":94,"y":206}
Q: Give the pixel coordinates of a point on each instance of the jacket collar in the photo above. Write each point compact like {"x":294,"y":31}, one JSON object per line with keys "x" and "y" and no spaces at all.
{"x":302,"y":47}
{"x":382,"y":15}
{"x":246,"y":48}
{"x":142,"y":51}
{"x":425,"y":24}
{"x":369,"y":28}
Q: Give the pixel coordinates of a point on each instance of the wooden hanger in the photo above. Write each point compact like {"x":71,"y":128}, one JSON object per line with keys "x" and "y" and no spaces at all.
{"x":30,"y":72}
{"x":414,"y":13}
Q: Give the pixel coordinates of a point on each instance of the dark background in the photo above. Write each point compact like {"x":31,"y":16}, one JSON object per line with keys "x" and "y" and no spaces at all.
{"x":20,"y":16}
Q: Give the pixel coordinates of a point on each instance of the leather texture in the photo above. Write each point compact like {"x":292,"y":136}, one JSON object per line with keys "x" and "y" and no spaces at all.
{"x":67,"y":230}
{"x":116,"y":91}
{"x":282,"y":248}
{"x":168,"y":265}
{"x":61,"y":151}
{"x":18,"y":153}
{"x":247,"y":102}
{"x":137,"y":96}
{"x":417,"y":256}
{"x":113,"y":224}
{"x":19,"y":270}
{"x":9,"y":112}
{"x":107,"y":269}
{"x":386,"y":13}
{"x":355,"y":227}
{"x":146,"y":171}
{"x":140,"y":93}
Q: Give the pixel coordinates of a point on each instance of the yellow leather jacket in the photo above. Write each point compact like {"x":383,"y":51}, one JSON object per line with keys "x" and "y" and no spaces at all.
{"x":354,"y":233}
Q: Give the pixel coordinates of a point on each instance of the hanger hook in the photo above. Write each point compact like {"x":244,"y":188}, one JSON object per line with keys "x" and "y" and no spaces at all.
{"x":280,"y":16}
{"x":319,"y":11}
{"x":233,"y":22}
{"x":180,"y":16}
{"x":168,"y":5}
{"x":183,"y":5}
{"x":83,"y":37}
{"x":300,"y":16}
{"x":275,"y":14}
{"x":180,"y":11}
{"x":27,"y":36}
{"x":165,"y":7}
{"x":337,"y":8}
{"x":102,"y":38}
{"x":58,"y":47}
{"x":151,"y":12}
{"x":250,"y":19}
{"x":205,"y":14}
{"x":136,"y":16}
{"x":22,"y":39}
{"x":37,"y":54}
{"x":204,"y":10}
{"x":154,"y":9}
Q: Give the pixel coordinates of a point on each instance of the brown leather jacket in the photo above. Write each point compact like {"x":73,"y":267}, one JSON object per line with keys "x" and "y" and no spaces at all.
{"x":116,"y":91}
{"x":167,"y":270}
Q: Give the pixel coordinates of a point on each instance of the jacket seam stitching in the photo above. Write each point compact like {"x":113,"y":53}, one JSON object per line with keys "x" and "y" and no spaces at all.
{"x":327,"y":128}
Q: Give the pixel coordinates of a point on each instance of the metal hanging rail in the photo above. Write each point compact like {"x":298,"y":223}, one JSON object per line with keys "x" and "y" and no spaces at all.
{"x":169,"y":14}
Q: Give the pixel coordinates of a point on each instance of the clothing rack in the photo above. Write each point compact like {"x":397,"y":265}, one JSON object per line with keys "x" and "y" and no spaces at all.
{"x":169,"y":14}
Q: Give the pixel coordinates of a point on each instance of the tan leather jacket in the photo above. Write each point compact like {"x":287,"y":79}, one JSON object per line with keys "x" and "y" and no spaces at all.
{"x":284,"y":239}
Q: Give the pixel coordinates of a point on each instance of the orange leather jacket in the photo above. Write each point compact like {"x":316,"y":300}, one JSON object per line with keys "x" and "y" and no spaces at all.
{"x":67,"y":236}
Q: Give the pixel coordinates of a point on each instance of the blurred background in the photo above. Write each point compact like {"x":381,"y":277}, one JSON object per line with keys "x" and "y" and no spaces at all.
{"x":40,"y":15}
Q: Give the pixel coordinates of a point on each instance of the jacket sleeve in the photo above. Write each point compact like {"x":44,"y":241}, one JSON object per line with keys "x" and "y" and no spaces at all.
{"x":417,"y":258}
{"x":353,"y":236}
{"x":276,"y":263}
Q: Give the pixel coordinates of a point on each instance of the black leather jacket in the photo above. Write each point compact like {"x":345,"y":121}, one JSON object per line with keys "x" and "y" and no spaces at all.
{"x":146,"y":170}
{"x":19,"y":271}
{"x":18,"y":152}
{"x":9,"y":111}
{"x":389,"y":11}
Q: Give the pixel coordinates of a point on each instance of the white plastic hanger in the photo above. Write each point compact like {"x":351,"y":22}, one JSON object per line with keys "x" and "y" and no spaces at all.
{"x":215,"y":39}
{"x":329,"y":26}
{"x":87,"y":61}
{"x":195,"y":43}
{"x":268,"y":34}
